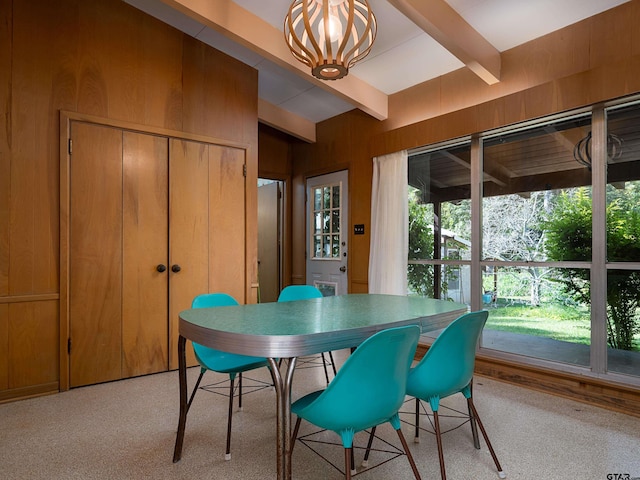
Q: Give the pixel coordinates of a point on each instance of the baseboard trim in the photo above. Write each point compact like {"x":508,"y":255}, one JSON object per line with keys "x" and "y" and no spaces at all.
{"x":29,"y":392}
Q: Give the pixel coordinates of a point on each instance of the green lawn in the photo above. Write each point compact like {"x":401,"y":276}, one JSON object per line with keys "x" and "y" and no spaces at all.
{"x":569,"y":324}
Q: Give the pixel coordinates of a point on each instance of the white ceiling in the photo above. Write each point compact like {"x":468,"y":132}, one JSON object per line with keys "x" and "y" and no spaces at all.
{"x":394,"y":63}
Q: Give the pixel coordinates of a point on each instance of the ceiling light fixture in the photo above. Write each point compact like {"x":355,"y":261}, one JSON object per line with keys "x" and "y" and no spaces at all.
{"x":330,"y":36}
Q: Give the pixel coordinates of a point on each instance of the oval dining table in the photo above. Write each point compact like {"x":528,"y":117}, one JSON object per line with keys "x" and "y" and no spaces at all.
{"x":287,"y":330}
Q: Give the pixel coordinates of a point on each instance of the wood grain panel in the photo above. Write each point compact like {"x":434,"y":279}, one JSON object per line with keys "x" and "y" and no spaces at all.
{"x":33,"y":345}
{"x":612,"y":35}
{"x":226,"y":221}
{"x":5,"y":139}
{"x":275,"y":163}
{"x":188,"y":232}
{"x":555,"y":55}
{"x":41,"y":85}
{"x":4,"y":347}
{"x":229,"y":109}
{"x":604,"y":394}
{"x":133,"y":75}
{"x":274,"y":153}
{"x":103,"y":58}
{"x":95,"y":253}
{"x":161,"y":61}
{"x":145,"y":343}
{"x":635,"y":39}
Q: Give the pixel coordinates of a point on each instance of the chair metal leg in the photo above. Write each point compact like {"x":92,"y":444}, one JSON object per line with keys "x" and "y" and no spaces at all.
{"x":436,"y":422}
{"x":472,"y":407}
{"x":365,"y":461}
{"x":348,"y":458}
{"x":324,"y":364}
{"x":295,"y":435}
{"x":409,"y":456}
{"x":333,"y":364}
{"x":416,"y":438}
{"x":472,"y":420}
{"x":353,"y":462}
{"x":227,"y":455}
{"x":474,"y":426}
{"x":240,"y":391}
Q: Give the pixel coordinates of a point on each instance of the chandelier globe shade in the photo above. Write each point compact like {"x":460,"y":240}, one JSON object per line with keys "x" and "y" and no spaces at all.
{"x":330,"y":36}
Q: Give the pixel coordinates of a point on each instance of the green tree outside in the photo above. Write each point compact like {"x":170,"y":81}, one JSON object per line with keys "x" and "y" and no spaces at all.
{"x":568,"y":238}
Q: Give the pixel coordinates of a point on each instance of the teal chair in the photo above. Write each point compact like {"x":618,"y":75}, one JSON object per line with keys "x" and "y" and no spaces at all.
{"x":223,"y":362}
{"x":303,"y":292}
{"x":368,"y":391}
{"x":447,"y":369}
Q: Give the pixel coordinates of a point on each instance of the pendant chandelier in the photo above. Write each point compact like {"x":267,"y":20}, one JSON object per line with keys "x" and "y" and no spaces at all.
{"x":330,"y":36}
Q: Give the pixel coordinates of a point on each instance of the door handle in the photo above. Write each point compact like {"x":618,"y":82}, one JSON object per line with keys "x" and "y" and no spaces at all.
{"x":343,"y":269}
{"x":161,"y":268}
{"x":175,"y":268}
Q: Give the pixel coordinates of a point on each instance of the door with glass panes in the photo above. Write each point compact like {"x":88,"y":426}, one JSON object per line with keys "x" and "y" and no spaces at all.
{"x":327,"y":247}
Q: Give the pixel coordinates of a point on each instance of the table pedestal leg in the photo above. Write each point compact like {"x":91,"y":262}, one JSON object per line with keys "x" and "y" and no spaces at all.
{"x":283,"y":416}
{"x":182,"y":371}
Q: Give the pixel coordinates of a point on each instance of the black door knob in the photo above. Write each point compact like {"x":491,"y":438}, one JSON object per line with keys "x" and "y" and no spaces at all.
{"x":175,"y":268}
{"x":161,"y":268}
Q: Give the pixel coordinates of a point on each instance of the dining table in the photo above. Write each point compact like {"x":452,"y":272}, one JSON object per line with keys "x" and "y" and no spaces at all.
{"x":288,"y":330}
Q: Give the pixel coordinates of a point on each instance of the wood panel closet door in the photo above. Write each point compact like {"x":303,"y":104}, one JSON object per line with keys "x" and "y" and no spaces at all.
{"x":145,"y":343}
{"x":154,"y":221}
{"x":207,"y":227}
{"x":227,"y":229}
{"x":118,"y":237}
{"x":189,"y":236}
{"x":95,"y":255}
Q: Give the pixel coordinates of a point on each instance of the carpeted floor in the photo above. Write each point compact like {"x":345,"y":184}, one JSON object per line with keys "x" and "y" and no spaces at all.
{"x":126,"y":430}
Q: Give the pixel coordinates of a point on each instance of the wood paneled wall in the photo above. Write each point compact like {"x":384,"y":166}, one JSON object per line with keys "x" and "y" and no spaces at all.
{"x":107,"y":59}
{"x":275,"y":152}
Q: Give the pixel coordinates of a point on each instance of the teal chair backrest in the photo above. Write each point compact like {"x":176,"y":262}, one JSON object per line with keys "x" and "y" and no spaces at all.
{"x":447,"y":367}
{"x":299,"y":292}
{"x":209,"y":300}
{"x":370,"y":387}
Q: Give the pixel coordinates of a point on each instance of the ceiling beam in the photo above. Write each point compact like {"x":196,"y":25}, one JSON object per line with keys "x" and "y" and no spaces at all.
{"x":450,"y":30}
{"x":288,"y":122}
{"x":252,"y":32}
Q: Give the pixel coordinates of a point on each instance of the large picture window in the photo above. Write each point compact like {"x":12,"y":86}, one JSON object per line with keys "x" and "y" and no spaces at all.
{"x":537,"y":268}
{"x":623,"y":239}
{"x":439,"y":223}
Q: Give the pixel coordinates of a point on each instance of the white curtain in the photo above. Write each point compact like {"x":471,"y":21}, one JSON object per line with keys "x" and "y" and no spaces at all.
{"x":389,"y":225}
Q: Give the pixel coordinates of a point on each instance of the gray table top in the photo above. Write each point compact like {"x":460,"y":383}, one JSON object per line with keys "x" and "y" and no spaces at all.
{"x":292,"y":329}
